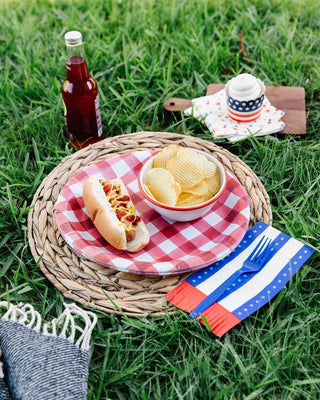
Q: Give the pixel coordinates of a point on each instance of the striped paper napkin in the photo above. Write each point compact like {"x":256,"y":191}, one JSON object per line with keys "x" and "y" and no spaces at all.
{"x":250,"y":291}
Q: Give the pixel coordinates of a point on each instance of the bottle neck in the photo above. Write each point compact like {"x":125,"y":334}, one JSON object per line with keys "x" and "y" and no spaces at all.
{"x":77,"y":69}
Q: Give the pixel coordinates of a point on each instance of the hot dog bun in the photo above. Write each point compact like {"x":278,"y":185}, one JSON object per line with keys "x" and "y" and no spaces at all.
{"x":106,"y":220}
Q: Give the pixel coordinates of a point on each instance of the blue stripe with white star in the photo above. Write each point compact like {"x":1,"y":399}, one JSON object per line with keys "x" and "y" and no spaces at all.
{"x":286,"y":270}
{"x":205,"y":273}
{"x":276,"y":285}
{"x":280,"y":241}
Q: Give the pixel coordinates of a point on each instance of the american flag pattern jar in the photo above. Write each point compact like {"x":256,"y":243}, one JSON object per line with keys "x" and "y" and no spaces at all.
{"x":245,"y":97}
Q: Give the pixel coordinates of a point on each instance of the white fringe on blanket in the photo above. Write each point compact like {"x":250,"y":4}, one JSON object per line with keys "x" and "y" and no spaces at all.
{"x":65,"y":326}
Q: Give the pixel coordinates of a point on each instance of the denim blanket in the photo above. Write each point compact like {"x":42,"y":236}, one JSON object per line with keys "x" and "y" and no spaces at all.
{"x":44,"y":361}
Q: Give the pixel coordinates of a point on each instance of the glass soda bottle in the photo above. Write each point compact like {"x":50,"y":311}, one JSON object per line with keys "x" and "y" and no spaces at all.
{"x":80,"y":96}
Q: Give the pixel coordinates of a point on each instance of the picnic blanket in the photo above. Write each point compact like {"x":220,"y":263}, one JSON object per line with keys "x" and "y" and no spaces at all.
{"x":44,"y":362}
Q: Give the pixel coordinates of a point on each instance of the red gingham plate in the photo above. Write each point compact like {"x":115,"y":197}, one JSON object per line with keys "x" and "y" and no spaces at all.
{"x":175,"y":247}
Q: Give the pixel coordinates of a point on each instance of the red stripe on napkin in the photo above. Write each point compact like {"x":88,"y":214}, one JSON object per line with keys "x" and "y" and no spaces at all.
{"x":219,"y":319}
{"x":185,"y":296}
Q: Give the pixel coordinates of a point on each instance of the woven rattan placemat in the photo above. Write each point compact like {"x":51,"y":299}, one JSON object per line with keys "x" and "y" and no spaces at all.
{"x":99,"y":287}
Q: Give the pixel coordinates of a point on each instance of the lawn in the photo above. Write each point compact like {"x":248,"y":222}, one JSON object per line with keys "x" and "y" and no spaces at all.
{"x":141,"y":53}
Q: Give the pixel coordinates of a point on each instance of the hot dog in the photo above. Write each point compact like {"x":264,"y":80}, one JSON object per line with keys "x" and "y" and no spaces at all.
{"x":111,"y":210}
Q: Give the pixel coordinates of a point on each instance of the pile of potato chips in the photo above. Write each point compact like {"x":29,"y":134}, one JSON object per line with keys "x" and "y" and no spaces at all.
{"x":182,"y":177}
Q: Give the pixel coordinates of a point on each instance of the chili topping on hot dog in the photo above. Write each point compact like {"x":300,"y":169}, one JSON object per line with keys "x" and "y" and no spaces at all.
{"x":119,"y":204}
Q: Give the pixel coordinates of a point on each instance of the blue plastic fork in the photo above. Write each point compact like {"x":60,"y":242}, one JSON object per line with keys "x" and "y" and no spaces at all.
{"x":260,"y":255}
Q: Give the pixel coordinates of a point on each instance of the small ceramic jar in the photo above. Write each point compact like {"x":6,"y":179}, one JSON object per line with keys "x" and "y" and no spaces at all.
{"x":245,"y":96}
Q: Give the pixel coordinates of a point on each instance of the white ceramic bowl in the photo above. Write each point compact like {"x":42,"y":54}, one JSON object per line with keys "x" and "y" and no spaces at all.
{"x":182,"y":213}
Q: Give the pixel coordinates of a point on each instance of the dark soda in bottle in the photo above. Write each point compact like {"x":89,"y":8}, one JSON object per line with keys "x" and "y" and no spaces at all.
{"x":80,"y":96}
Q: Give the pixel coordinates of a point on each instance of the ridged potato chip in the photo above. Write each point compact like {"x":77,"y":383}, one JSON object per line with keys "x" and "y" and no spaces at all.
{"x":177,"y":188}
{"x":211,"y":169}
{"x":182,"y":177}
{"x":198,"y":158}
{"x":162,"y":186}
{"x":158,"y":174}
{"x":213,"y":184}
{"x":200,"y":189}
{"x":161,"y":159}
{"x":146,"y":188}
{"x":165,"y":193}
{"x":185,"y":171}
{"x":188,"y":200}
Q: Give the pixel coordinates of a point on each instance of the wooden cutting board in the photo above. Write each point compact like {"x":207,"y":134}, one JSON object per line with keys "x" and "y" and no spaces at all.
{"x":290,"y":99}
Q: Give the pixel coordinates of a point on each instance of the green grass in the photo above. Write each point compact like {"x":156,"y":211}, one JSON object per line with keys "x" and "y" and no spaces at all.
{"x":169,"y":49}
